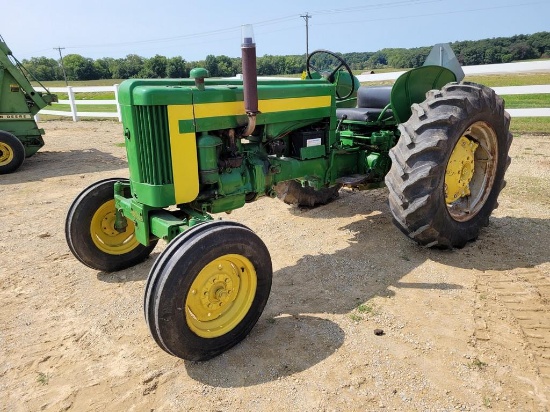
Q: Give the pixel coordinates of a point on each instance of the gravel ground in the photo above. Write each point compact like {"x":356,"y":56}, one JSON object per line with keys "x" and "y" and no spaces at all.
{"x":462,"y":330}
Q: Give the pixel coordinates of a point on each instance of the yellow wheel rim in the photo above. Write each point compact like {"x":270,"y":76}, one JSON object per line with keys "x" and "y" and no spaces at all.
{"x":106,"y":237}
{"x":220,"y":296}
{"x":470,"y":171}
{"x":6,"y":154}
{"x":460,"y":170}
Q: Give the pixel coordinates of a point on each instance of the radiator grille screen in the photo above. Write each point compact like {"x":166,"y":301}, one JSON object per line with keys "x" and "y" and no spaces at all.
{"x":153,"y":145}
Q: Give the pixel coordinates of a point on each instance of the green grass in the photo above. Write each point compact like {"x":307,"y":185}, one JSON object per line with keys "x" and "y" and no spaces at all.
{"x":526,"y":101}
{"x":42,"y":378}
{"x":61,"y":83}
{"x":530,"y":125}
{"x":477,"y":364}
{"x":365,"y":308}
{"x":82,"y":108}
{"x":88,"y":96}
{"x":519,"y":79}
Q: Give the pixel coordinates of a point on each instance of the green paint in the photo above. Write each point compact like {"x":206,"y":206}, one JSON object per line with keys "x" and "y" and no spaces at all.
{"x":297,"y":136}
{"x":19,"y":102}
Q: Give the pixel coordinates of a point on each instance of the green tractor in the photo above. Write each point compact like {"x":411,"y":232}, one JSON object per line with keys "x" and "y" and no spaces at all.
{"x":200,"y":146}
{"x":20,"y":137}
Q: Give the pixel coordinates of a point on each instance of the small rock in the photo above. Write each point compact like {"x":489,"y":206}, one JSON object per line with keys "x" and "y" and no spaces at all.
{"x":378,"y":332}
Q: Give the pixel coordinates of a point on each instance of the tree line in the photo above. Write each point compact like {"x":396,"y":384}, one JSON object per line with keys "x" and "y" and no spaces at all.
{"x":487,"y":51}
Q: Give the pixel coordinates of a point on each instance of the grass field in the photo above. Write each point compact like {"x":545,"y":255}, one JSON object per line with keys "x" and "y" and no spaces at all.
{"x":519,"y":125}
{"x":534,"y":125}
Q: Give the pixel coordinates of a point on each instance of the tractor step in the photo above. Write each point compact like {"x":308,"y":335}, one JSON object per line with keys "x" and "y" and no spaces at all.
{"x":352,"y":180}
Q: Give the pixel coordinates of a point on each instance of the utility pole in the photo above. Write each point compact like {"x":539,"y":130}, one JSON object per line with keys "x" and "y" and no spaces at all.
{"x":62,"y":67}
{"x":306,"y":17}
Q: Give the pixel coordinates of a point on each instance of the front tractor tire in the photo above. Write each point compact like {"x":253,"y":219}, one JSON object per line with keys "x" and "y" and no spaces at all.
{"x":207,"y":290}
{"x":12,"y":153}
{"x":448,"y":166}
{"x":92,"y":237}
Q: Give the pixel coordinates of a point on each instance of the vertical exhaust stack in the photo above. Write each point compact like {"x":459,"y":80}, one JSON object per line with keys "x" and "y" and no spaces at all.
{"x":250,"y":77}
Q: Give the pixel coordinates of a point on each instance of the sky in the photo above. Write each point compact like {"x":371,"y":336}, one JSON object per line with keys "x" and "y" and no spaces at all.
{"x":194,"y":29}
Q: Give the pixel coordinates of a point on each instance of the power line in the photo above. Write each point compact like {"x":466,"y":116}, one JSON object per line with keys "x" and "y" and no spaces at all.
{"x":306,"y":17}
{"x":409,"y":16}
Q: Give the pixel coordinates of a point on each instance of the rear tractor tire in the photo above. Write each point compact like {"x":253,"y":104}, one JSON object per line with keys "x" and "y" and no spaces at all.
{"x":207,"y":290}
{"x":12,"y":153}
{"x":90,"y":232}
{"x":293,"y":193}
{"x":448,"y":166}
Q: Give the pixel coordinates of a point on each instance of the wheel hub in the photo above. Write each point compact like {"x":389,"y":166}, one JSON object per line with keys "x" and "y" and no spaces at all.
{"x":217,"y":292}
{"x":106,"y":237}
{"x":220,"y":296}
{"x":6,"y":154}
{"x":460,"y":170}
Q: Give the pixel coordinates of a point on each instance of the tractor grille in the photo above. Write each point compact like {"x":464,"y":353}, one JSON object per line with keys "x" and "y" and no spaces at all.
{"x":153,"y":144}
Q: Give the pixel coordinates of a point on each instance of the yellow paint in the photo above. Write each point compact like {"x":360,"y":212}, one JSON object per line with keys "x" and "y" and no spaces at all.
{"x":294,"y":103}
{"x":221,"y":295}
{"x":219,"y":109}
{"x":264,"y":106}
{"x":460,"y":170}
{"x":183,"y":148}
{"x":104,"y":235}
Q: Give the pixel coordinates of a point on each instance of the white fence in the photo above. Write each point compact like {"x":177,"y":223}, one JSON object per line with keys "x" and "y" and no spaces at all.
{"x":73,"y":102}
{"x":520,"y":67}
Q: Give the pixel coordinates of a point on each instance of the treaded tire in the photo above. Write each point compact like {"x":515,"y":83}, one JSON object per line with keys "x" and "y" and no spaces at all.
{"x":172,"y":282}
{"x":152,"y":279}
{"x":12,"y":153}
{"x":417,"y":178}
{"x":293,"y":193}
{"x":78,"y":231}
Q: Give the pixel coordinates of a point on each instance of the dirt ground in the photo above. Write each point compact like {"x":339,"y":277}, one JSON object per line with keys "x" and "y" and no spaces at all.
{"x":465,"y":330}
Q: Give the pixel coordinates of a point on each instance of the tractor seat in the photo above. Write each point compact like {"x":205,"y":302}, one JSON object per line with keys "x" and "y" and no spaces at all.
{"x":371,"y":101}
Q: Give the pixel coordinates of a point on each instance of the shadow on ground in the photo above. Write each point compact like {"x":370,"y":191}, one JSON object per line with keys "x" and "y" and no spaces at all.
{"x":44,"y":165}
{"x":289,"y":338}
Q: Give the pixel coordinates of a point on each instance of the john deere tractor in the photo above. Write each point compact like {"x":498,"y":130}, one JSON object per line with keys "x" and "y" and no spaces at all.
{"x":20,"y":137}
{"x":202,"y":146}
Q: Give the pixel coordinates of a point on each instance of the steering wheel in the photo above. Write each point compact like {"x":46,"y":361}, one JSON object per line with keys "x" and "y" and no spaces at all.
{"x":331,"y":76}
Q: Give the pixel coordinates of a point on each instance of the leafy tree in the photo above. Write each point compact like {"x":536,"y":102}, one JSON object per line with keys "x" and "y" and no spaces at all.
{"x":471,"y":56}
{"x":103,"y":67}
{"x":522,"y":51}
{"x":485,"y":51}
{"x":43,"y":68}
{"x":79,"y":68}
{"x":295,"y":64}
{"x":175,"y":68}
{"x":541,"y":43}
{"x":225,"y":66}
{"x":378,"y":59}
{"x":127,"y":68}
{"x":211,"y":64}
{"x":154,"y":68}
